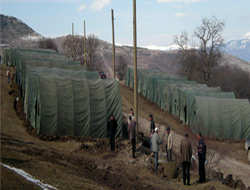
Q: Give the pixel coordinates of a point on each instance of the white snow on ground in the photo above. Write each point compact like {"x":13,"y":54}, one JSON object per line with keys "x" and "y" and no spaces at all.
{"x":29,"y":177}
{"x":32,"y":37}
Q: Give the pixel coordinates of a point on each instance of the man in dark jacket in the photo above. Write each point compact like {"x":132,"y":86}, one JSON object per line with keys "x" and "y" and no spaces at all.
{"x":201,"y":149}
{"x":152,"y":129}
{"x":132,"y":134}
{"x":152,"y":124}
{"x":112,"y":127}
{"x":186,"y":154}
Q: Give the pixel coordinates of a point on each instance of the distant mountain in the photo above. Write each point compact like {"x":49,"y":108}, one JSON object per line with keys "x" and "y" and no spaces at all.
{"x":239,"y":48}
{"x":14,"y":31}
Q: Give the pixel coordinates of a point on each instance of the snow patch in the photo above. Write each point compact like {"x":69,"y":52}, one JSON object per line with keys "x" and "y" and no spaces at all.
{"x":32,"y":37}
{"x":29,"y":177}
{"x":247,"y":35}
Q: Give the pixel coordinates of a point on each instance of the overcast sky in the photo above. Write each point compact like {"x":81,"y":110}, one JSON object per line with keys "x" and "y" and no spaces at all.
{"x":157,"y":20}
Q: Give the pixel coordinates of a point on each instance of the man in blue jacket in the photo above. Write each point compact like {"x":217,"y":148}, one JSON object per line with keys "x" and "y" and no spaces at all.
{"x":156,"y":146}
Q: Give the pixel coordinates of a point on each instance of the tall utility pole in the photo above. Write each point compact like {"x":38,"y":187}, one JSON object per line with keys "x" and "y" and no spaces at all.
{"x":85,"y":57}
{"x":135,"y":69}
{"x":73,"y":42}
{"x":113,"y":40}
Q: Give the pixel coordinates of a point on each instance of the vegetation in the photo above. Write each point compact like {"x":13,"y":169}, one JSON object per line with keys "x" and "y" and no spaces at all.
{"x":203,"y":65}
{"x":47,"y":43}
{"x":121,"y":68}
{"x":199,"y":64}
{"x":74,"y":47}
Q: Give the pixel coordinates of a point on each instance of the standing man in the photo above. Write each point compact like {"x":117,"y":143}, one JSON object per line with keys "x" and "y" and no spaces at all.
{"x":156,"y":146}
{"x":186,"y":154}
{"x":132,"y":134}
{"x":201,"y":149}
{"x":152,"y":125}
{"x":131,"y":113}
{"x":169,"y":145}
{"x":112,"y":127}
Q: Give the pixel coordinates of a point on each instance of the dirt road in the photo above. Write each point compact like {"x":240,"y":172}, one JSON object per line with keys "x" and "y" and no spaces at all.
{"x":81,"y":163}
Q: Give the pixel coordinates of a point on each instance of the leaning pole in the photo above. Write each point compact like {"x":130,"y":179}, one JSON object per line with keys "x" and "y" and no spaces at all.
{"x":135,"y":70}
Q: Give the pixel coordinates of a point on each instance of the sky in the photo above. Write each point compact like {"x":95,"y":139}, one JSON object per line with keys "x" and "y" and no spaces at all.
{"x":158,"y":21}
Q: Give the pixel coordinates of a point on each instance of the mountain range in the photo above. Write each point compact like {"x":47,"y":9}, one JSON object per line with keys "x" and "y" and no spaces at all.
{"x":15,"y":33}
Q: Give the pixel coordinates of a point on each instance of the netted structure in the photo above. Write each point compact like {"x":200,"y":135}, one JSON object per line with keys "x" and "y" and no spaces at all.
{"x":61,"y":97}
{"x":221,"y":117}
{"x":73,"y":106}
{"x":32,"y":71}
{"x":181,"y":98}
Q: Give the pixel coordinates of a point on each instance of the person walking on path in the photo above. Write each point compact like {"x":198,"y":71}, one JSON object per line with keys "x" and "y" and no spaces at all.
{"x":201,"y":149}
{"x":156,"y":146}
{"x":132,"y":134}
{"x":169,"y":145}
{"x":186,"y":154}
{"x":112,"y":127}
{"x":8,"y":75}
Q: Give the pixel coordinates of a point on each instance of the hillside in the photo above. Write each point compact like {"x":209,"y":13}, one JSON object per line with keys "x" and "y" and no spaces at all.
{"x":14,"y":32}
{"x":18,"y":34}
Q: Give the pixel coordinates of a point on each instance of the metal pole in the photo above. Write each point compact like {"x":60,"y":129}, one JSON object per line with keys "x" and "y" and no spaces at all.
{"x":85,"y":57}
{"x":113,"y":40}
{"x":135,"y":69}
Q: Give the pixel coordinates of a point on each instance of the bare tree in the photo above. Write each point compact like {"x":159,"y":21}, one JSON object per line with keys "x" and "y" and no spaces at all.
{"x":92,"y":44}
{"x":74,"y":48}
{"x":188,"y":58}
{"x":47,"y":43}
{"x":122,"y":64}
{"x":211,"y":40}
{"x":198,"y":64}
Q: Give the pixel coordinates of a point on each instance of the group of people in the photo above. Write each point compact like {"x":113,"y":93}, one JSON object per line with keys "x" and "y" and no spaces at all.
{"x":155,"y":142}
{"x":185,"y":151}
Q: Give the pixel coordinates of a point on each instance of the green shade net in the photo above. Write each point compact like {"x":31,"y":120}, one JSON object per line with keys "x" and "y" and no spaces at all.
{"x":221,"y":117}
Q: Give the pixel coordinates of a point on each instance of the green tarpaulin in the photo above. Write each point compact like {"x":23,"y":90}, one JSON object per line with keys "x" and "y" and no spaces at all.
{"x":221,"y":117}
{"x":71,"y":106}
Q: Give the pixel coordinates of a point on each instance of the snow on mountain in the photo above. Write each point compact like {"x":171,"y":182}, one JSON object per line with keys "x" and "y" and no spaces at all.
{"x":239,"y":48}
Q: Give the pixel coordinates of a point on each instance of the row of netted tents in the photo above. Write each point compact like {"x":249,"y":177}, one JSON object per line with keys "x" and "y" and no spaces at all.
{"x":197,"y":105}
{"x":61,"y":97}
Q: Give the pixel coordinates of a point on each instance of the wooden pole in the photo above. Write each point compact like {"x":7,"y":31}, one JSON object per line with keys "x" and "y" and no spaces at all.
{"x":85,"y":57}
{"x":113,"y":40}
{"x":135,"y":69}
{"x":73,"y":45}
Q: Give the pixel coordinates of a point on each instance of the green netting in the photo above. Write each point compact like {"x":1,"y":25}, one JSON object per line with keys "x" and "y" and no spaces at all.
{"x":188,"y":98}
{"x":176,"y":97}
{"x":71,"y":106}
{"x":168,"y":90}
{"x":32,"y":71}
{"x":160,"y":85}
{"x":223,"y":118}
